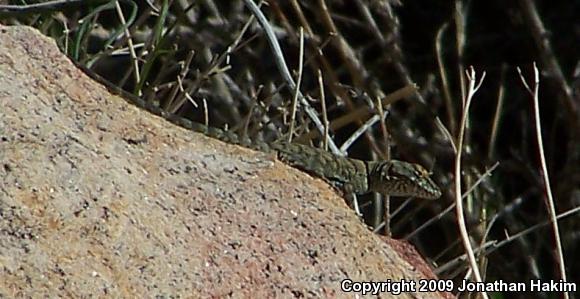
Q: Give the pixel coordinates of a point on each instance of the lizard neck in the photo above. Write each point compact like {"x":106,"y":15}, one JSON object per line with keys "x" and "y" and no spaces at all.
{"x":374,"y":175}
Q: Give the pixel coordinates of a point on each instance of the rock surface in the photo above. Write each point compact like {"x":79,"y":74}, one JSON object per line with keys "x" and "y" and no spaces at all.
{"x":100,"y":198}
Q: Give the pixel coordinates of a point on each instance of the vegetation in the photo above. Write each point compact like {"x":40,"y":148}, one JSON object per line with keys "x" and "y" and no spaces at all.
{"x":215,"y":62}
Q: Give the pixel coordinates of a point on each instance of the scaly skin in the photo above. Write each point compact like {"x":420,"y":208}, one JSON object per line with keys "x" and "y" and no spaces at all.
{"x":392,"y":177}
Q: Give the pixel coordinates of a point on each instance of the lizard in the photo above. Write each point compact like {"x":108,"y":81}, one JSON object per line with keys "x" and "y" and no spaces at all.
{"x":387,"y":177}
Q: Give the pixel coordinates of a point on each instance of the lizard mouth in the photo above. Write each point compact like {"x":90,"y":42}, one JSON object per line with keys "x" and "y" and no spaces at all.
{"x":427,"y":189}
{"x":404,"y":188}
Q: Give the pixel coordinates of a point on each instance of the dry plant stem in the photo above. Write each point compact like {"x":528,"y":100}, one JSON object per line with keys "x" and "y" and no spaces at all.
{"x":347,"y":54}
{"x":401,"y":207}
{"x":352,"y":63}
{"x":301,"y":17}
{"x":393,"y":214}
{"x":531,"y":229}
{"x":283,"y":21}
{"x":353,"y":137}
{"x":184,"y":71}
{"x":298,"y":82}
{"x":44,"y":6}
{"x":281,"y":64}
{"x":362,"y":113}
{"x":450,"y":207}
{"x":189,"y":14}
{"x":323,"y":104}
{"x":444,"y":81}
{"x":534,"y":93}
{"x":131,"y":47}
{"x":180,"y":86}
{"x":383,"y":125}
{"x":66,"y":32}
{"x":368,"y":17}
{"x":457,"y":264}
{"x":205,"y":113}
{"x":377,"y":217}
{"x":497,"y":115}
{"x":459,"y":18}
{"x":248,"y":118}
{"x":548,"y":58}
{"x":552,"y":68}
{"x":238,"y":41}
{"x":491,"y":246}
{"x":391,"y":48}
{"x":220,"y":79}
{"x":240,"y":95}
{"x":386,"y":202}
{"x":213,"y":9}
{"x":446,"y":133}
{"x":172,"y":107}
{"x":388,"y":49}
{"x":386,"y":214}
{"x":321,"y":62}
{"x":361,"y":130}
{"x":472,"y":89}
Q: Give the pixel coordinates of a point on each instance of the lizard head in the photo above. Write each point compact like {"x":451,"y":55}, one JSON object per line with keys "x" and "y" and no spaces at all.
{"x":398,"y":178}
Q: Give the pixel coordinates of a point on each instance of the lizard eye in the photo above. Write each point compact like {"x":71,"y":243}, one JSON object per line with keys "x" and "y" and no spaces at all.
{"x":421,"y":172}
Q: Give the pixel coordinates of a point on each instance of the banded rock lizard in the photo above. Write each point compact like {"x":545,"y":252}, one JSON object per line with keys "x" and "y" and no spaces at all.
{"x":388,"y":177}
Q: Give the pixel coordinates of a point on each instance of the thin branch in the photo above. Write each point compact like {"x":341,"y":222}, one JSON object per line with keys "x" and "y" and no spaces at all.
{"x":497,"y":116}
{"x":130,"y":45}
{"x":45,"y":6}
{"x":281,"y":64}
{"x":472,"y":89}
{"x":324,"y":114}
{"x":361,"y":130}
{"x":497,"y":245}
{"x":297,"y":89}
{"x":364,"y":112}
{"x":444,"y":81}
{"x":534,"y":93}
{"x":179,"y":86}
{"x":448,"y":209}
{"x":540,"y":34}
{"x":446,"y":133}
